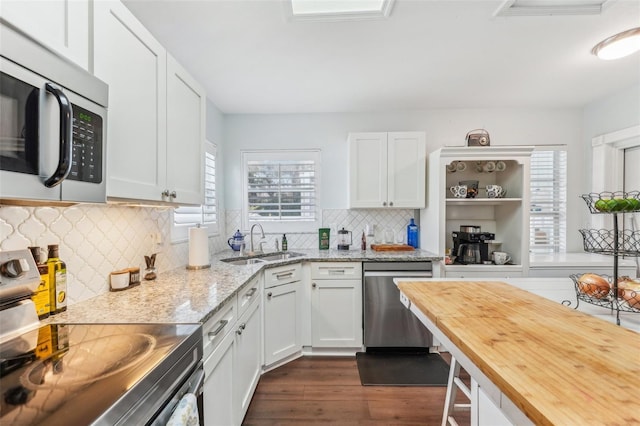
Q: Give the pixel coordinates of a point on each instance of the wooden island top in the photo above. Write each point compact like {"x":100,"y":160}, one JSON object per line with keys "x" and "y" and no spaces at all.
{"x":557,"y":365}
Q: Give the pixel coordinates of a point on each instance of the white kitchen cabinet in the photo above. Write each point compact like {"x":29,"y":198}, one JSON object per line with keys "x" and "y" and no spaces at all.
{"x":156,"y":113}
{"x":248,"y":359}
{"x":219,"y":355}
{"x":507,"y":217}
{"x":336,"y":305}
{"x":186,"y":110}
{"x":218,"y":384}
{"x":62,"y":25}
{"x":387,"y":170}
{"x":282,"y":313}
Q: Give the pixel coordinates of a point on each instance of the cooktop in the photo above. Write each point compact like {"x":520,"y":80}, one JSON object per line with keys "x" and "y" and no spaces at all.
{"x":92,"y":373}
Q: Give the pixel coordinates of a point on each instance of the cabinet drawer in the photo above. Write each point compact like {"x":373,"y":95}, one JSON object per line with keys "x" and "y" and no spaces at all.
{"x":333,"y":270}
{"x":248,"y":294}
{"x":282,"y":275}
{"x":218,"y":326}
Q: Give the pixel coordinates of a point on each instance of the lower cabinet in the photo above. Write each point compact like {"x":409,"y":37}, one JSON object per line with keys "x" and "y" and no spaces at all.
{"x":336,"y":305}
{"x":282,"y":313}
{"x":218,"y":384}
{"x":232,"y":358}
{"x":248,"y":357}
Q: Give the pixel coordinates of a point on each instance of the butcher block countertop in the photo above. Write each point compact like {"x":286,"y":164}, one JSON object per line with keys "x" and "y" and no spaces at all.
{"x":557,"y":365}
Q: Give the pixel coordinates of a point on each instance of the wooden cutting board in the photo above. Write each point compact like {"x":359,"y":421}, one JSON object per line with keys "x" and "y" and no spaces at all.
{"x":391,"y":247}
{"x":558,"y":365}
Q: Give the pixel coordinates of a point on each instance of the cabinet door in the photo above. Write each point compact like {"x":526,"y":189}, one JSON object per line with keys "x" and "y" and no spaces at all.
{"x":281,"y":322}
{"x":248,"y":359}
{"x":133,"y":64}
{"x":62,"y":25}
{"x":218,"y":385}
{"x":185,"y":135}
{"x":406,"y":165}
{"x":336,"y":313}
{"x":367,"y":170}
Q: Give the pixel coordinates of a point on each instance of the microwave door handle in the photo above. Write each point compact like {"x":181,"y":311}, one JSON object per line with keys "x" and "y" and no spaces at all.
{"x":66,"y":143}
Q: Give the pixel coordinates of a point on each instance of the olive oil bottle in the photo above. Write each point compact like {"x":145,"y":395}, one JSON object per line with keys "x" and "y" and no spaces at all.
{"x":41,"y":297}
{"x":57,"y":280}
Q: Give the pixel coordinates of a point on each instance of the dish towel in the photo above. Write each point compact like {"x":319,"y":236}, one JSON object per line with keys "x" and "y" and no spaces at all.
{"x":186,"y":412}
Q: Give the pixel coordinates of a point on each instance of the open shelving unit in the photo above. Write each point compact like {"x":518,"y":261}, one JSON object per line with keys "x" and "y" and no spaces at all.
{"x":507,"y":218}
{"x":612,"y":242}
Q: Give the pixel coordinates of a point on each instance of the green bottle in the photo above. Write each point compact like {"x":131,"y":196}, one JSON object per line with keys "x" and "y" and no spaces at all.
{"x":57,"y":280}
{"x":284,"y":242}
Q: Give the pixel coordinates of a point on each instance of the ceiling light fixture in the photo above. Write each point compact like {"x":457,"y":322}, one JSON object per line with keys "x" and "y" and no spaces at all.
{"x":618,"y":46}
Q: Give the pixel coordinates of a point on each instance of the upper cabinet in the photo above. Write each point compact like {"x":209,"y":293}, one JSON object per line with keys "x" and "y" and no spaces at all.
{"x":387,"y":170}
{"x":62,"y":25}
{"x":156,"y":113}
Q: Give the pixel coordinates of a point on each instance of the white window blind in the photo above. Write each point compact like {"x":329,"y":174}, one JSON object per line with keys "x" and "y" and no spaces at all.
{"x":206,"y":214}
{"x":282,"y":188}
{"x":548,"y":214}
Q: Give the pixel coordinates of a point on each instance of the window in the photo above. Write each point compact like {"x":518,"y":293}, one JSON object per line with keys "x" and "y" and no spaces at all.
{"x":548,"y":214}
{"x":206,"y":214}
{"x":280,"y":190}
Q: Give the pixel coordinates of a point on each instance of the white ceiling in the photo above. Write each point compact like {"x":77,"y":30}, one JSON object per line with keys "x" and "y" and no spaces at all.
{"x":427,"y":54}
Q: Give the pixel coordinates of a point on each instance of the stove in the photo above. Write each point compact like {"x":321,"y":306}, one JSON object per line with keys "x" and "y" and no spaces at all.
{"x":87,"y":374}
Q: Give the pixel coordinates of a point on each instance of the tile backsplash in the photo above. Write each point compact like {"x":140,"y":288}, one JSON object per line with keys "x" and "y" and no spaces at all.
{"x":95,"y":240}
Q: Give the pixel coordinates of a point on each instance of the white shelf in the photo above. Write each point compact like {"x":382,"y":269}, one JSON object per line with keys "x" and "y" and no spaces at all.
{"x":481,"y":201}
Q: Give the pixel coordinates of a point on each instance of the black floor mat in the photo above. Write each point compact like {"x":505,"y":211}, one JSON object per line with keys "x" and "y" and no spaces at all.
{"x":402,"y":369}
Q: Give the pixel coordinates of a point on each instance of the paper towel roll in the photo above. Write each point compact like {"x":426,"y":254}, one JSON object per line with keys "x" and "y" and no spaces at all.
{"x":198,"y":248}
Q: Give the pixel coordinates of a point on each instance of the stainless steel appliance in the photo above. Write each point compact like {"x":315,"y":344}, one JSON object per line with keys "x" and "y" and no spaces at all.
{"x":88,"y":374}
{"x":52,"y":126}
{"x":387,"y":323}
{"x":471,"y":247}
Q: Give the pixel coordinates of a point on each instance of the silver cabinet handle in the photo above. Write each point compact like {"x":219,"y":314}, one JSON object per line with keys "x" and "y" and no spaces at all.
{"x":314,"y":285}
{"x":390,"y":203}
{"x":269,"y":295}
{"x":165,"y":193}
{"x":173,"y":194}
{"x":251,"y":292}
{"x":285,"y":275}
{"x":213,"y":334}
{"x":241,"y":328}
{"x":384,"y":204}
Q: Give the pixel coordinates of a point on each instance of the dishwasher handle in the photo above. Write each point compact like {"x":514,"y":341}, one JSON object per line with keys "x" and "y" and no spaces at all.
{"x":398,"y":274}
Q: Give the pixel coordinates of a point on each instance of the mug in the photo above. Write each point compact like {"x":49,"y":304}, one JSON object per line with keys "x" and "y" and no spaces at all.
{"x":472,"y":187}
{"x":459,"y":191}
{"x":489,"y":167}
{"x":501,"y":257}
{"x":493,"y":191}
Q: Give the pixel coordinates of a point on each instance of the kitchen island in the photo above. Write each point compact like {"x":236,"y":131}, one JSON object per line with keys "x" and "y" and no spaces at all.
{"x":533,"y":359}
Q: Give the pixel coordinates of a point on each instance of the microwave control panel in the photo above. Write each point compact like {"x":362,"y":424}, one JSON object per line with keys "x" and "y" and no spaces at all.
{"x":86,"y":164}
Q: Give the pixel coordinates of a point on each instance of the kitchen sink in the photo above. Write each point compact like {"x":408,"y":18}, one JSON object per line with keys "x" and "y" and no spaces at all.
{"x":262,"y":258}
{"x":281,"y":256}
{"x":243,"y":261}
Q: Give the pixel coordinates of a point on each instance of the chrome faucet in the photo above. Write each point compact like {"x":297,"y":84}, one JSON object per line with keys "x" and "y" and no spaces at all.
{"x":262,"y":238}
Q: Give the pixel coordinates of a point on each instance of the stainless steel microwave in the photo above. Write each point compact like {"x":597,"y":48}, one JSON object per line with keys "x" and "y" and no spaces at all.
{"x":53,"y":121}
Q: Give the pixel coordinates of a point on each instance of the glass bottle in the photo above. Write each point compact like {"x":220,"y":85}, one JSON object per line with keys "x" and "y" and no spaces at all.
{"x":57,"y":280}
{"x":41,"y":297}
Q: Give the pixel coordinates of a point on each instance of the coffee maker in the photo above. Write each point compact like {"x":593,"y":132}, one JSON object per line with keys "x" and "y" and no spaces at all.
{"x":470,"y":245}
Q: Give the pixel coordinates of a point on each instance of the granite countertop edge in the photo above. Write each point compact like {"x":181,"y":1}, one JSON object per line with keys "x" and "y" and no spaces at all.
{"x":194,"y":296}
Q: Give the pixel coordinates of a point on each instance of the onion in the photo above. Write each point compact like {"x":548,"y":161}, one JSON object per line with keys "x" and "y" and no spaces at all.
{"x":631,"y":294}
{"x":623,"y":282}
{"x":594,"y":285}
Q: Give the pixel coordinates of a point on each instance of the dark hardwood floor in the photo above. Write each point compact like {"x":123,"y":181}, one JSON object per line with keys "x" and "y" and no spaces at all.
{"x":327,"y":390}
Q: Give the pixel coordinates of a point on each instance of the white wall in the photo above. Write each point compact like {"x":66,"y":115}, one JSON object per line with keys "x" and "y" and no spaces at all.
{"x":328,"y":132}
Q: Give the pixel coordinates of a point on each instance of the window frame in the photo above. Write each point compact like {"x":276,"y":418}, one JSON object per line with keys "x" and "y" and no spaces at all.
{"x":294,"y":226}
{"x":559,"y":246}
{"x":180,"y":232}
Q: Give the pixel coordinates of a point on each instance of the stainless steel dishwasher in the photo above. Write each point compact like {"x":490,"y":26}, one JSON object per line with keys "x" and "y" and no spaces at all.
{"x":387,"y":323}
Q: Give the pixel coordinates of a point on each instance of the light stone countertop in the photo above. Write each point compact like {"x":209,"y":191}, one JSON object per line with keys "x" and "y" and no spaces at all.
{"x":191,"y":296}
